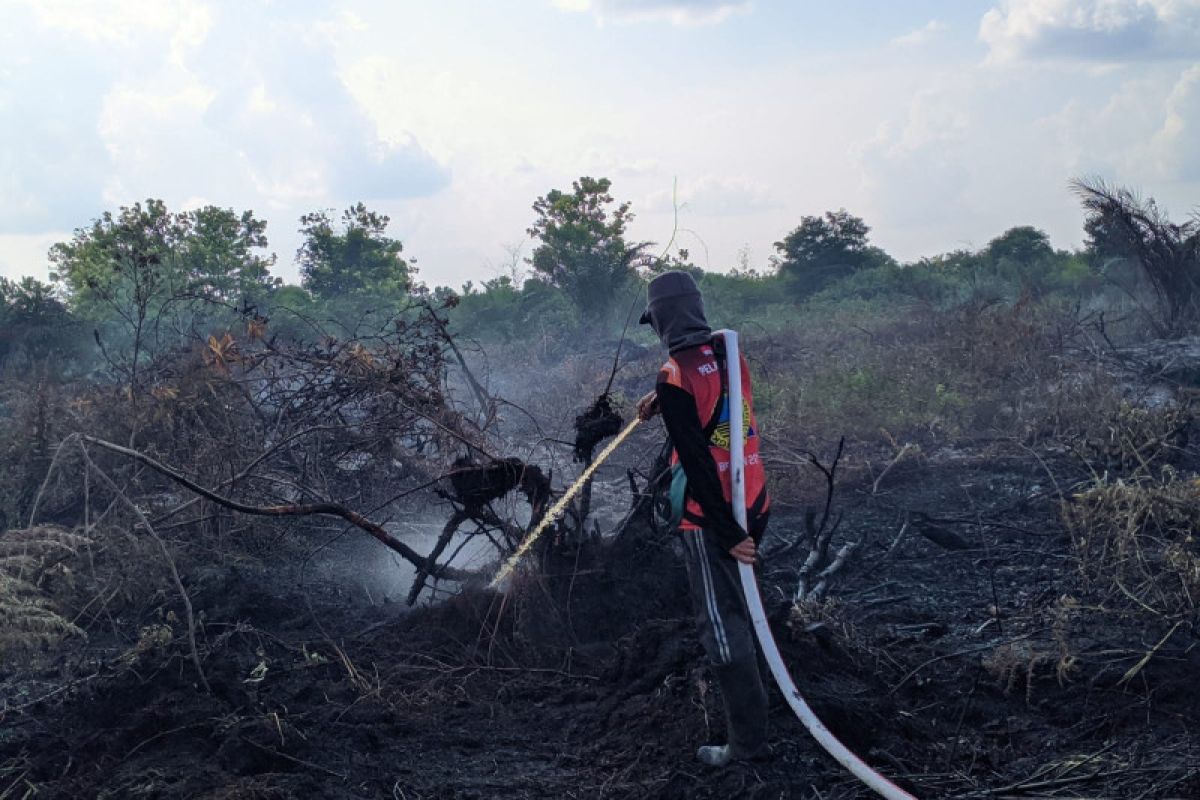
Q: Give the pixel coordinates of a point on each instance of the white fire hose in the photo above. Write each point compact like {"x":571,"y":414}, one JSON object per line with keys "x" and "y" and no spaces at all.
{"x":758,"y":615}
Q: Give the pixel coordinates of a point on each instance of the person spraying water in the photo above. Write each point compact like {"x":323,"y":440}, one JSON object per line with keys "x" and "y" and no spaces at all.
{"x":692,"y":396}
{"x":720,"y":506}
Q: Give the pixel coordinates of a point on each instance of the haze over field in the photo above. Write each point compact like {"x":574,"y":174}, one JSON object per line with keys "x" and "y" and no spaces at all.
{"x":940,"y":122}
{"x":316,"y":316}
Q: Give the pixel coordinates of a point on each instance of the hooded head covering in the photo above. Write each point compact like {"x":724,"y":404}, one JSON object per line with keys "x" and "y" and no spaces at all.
{"x":675,"y":310}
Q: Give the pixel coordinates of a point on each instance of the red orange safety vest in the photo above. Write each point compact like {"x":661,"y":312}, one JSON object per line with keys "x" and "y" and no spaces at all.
{"x":700,"y":371}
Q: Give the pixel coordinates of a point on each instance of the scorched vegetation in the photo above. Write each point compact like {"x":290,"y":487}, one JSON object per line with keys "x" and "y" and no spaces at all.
{"x":248,"y":527}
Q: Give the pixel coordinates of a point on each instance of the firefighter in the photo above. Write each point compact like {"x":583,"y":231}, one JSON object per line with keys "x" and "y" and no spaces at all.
{"x":691,"y":395}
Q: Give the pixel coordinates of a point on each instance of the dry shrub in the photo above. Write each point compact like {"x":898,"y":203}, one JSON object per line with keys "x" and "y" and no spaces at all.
{"x":29,"y":621}
{"x":55,"y":585}
{"x":1128,"y":438}
{"x":1136,"y":541}
{"x":829,"y":613}
{"x":151,"y":638}
{"x":31,"y":412}
{"x":1014,"y":661}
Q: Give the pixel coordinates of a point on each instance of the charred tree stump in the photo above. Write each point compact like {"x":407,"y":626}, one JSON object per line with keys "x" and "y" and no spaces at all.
{"x":597,"y":423}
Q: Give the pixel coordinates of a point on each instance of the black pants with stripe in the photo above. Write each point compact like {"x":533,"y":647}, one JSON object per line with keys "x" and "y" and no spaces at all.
{"x":727,"y":634}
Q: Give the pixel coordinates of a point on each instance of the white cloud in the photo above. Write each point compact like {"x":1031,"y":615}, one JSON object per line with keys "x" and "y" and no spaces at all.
{"x":52,"y":163}
{"x":441,"y":104}
{"x":921,"y":36}
{"x":25,"y":254}
{"x":1112,"y":135}
{"x":918,"y":164}
{"x":1177,"y":144}
{"x":1143,"y":132}
{"x":118,"y":22}
{"x":712,"y":195}
{"x":243,"y":104}
{"x":1092,"y":30}
{"x":984,"y":149}
{"x":677,"y":12}
{"x":610,"y":164}
{"x":282,"y":106}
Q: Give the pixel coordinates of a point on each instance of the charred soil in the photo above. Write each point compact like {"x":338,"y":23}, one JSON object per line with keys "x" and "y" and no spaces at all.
{"x":974,"y":671}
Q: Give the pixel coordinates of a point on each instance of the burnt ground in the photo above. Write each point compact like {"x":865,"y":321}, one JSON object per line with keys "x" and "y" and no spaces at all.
{"x":957,"y":672}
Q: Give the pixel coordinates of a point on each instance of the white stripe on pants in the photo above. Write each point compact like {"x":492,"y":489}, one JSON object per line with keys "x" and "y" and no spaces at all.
{"x":696,"y":539}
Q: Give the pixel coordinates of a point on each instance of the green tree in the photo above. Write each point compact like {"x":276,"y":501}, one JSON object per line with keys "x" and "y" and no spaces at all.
{"x":825,"y":249}
{"x":122,"y":273}
{"x":144,"y":256}
{"x":222,"y":255}
{"x":123,"y":264}
{"x":1022,"y":257}
{"x":148,"y":278}
{"x":35,"y":326}
{"x":356,"y":260}
{"x":499,"y":310}
{"x":1023,"y":244}
{"x":582,"y":248}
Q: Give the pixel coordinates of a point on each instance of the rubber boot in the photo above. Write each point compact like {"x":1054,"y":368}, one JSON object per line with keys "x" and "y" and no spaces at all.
{"x":745,"y":715}
{"x":720,"y":755}
{"x":715,"y":755}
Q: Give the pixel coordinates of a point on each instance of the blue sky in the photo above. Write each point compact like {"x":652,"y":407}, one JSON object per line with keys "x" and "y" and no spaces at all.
{"x":941,"y":122}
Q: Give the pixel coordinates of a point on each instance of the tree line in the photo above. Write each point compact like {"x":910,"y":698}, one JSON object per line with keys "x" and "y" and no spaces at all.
{"x":145,"y":278}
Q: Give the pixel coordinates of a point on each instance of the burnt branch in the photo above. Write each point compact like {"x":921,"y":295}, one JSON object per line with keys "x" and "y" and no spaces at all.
{"x":430,"y":566}
{"x":819,"y":569}
{"x":297,"y":510}
{"x":814,"y":530}
{"x":593,"y":426}
{"x":486,"y":405}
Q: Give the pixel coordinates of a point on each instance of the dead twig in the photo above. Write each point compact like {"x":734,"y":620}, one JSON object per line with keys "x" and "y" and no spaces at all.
{"x":835,"y":566}
{"x":811,"y":527}
{"x":300,"y":761}
{"x":896,"y":541}
{"x":37,"y":500}
{"x":1136,"y":668}
{"x":904,"y":451}
{"x":487,"y":408}
{"x":942,"y":537}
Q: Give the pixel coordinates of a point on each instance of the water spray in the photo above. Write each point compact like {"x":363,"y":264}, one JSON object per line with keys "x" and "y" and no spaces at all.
{"x":558,"y":508}
{"x":762,"y":629}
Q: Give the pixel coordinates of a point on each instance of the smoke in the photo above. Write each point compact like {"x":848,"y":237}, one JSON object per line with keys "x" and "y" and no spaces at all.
{"x":373,"y":574}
